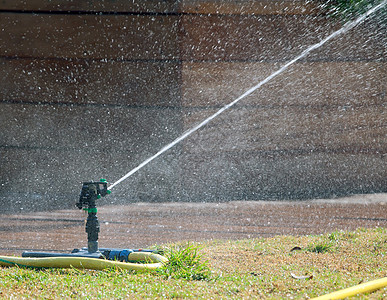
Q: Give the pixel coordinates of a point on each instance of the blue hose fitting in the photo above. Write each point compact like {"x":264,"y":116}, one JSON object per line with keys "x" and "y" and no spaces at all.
{"x":119,"y":254}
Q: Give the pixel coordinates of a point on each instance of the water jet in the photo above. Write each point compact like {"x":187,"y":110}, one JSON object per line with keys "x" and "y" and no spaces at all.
{"x":348,"y":26}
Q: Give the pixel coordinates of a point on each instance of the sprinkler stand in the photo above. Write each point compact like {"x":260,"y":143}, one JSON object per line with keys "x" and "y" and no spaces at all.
{"x":90,"y":192}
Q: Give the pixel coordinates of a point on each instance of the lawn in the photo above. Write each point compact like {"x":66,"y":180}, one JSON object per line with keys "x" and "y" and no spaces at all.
{"x":281,"y":267}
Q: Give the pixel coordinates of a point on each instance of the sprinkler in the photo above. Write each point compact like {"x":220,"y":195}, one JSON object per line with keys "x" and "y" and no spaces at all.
{"x":90,"y":192}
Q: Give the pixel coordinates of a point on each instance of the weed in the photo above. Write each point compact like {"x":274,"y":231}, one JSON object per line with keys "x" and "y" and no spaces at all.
{"x":186,"y":263}
{"x":334,"y":236}
{"x":320,"y":248}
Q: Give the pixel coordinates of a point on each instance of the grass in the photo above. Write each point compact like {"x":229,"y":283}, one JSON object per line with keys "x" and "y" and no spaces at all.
{"x":185,"y":262}
{"x":243,"y":269}
{"x":320,"y":247}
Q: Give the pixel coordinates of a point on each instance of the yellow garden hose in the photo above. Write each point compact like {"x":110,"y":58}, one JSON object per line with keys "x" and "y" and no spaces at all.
{"x":355,"y":290}
{"x":156,"y":261}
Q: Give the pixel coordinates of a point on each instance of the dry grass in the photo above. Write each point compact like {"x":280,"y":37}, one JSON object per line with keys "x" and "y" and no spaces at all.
{"x":344,"y":259}
{"x":245,"y":269}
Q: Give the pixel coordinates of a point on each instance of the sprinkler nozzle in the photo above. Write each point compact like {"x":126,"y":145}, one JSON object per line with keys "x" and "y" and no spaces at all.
{"x":92,"y":191}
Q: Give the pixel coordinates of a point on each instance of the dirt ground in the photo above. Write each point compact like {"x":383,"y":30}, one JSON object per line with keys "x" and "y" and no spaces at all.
{"x":141,"y":225}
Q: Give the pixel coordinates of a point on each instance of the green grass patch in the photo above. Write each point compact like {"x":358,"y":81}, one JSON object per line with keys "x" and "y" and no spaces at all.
{"x":185,"y":262}
{"x":281,"y":267}
{"x":320,"y":248}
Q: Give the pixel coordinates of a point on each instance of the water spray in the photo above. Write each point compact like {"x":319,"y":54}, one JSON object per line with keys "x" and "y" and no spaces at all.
{"x":348,"y":26}
{"x":94,"y":257}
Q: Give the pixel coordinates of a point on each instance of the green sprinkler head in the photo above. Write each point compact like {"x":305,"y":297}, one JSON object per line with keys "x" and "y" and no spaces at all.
{"x":92,"y":191}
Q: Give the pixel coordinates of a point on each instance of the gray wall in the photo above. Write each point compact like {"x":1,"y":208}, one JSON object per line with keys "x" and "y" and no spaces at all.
{"x":91,"y":89}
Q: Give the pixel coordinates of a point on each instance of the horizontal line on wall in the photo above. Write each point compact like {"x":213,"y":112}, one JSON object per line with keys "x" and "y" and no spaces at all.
{"x":272,"y":154}
{"x":105,"y":105}
{"x":381,"y":59}
{"x":188,"y":109}
{"x":154,"y":13}
{"x":88,"y":12}
{"x":92,"y":59}
{"x":62,"y":149}
{"x":321,"y":106}
{"x":229,"y":153}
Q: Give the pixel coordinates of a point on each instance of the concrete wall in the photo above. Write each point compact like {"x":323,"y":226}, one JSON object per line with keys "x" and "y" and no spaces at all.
{"x":90,"y":89}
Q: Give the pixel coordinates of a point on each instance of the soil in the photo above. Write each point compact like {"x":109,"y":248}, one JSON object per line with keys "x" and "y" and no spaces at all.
{"x":141,"y":225}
